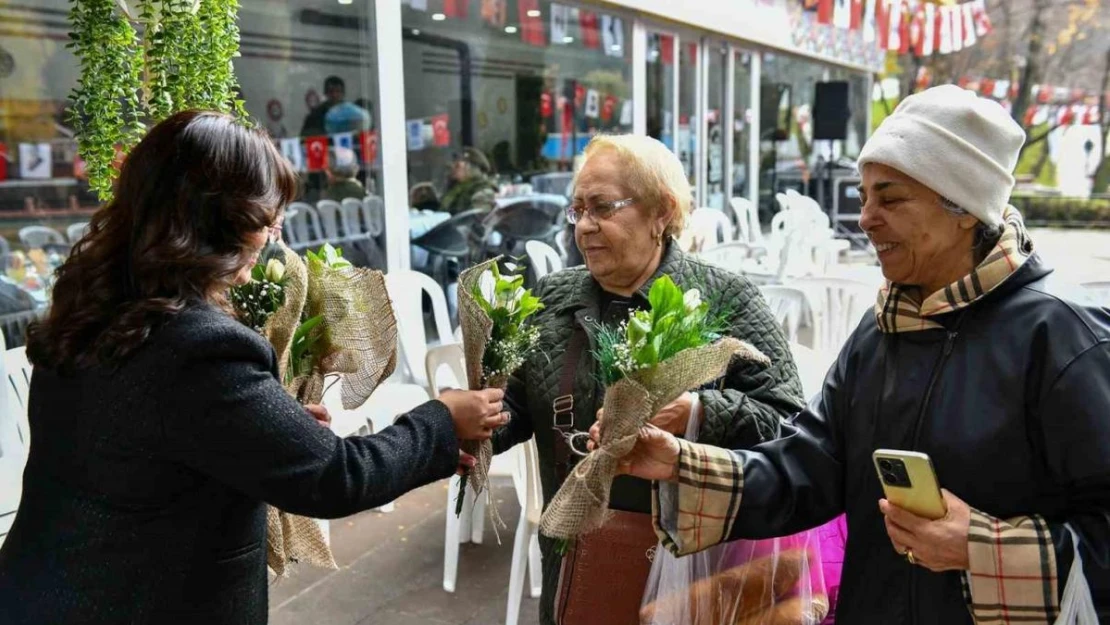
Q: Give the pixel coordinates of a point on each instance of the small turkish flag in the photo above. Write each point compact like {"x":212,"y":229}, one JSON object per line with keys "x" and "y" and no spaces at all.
{"x":441,"y":131}
{"x":546,"y":107}
{"x":825,"y":11}
{"x":1029,"y":114}
{"x":317,"y":149}
{"x":579,"y":95}
{"x":607,"y":108}
{"x":369,"y":141}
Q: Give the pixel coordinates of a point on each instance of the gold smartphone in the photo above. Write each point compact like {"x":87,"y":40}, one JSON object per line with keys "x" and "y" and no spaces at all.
{"x":910,"y":482}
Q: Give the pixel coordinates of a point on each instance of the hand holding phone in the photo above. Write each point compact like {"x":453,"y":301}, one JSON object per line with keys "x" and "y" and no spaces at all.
{"x":910,"y":482}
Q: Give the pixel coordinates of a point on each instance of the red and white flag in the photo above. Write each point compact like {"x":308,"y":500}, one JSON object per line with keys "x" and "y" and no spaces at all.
{"x":591,"y":33}
{"x":869,"y":15}
{"x":966,"y":12}
{"x":882,"y":23}
{"x":368,"y":139}
{"x":842,"y":14}
{"x":456,"y":8}
{"x":944,"y":31}
{"x":441,"y":130}
{"x":317,"y":150}
{"x":894,"y":26}
{"x":982,"y":19}
{"x":957,"y":17}
{"x":1001,"y":89}
{"x":531,"y":23}
{"x":1092,"y":115}
{"x":929,"y":29}
{"x":857,"y":15}
{"x":825,"y":11}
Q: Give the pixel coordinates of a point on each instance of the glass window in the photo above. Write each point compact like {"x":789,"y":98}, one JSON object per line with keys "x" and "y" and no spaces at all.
{"x":44,"y":197}
{"x":687,"y":108}
{"x":717,"y":58}
{"x":858,"y":105}
{"x":741,"y":123}
{"x":660,"y":88}
{"x":788,"y":86}
{"x":307,"y":72}
{"x":501,"y":97}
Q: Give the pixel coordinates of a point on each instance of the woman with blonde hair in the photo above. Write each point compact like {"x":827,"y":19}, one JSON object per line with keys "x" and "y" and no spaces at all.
{"x":631,"y":199}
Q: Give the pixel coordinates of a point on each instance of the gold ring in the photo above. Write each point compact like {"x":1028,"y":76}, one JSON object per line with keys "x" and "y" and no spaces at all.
{"x":909,"y":556}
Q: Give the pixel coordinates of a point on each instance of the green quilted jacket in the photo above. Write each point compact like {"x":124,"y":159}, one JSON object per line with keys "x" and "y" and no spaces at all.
{"x":742,"y":409}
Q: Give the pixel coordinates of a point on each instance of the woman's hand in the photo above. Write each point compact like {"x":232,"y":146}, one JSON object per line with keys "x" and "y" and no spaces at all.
{"x":475,"y":413}
{"x":675,"y":416}
{"x":939,"y":545}
{"x":319,"y":413}
{"x":654,"y":457}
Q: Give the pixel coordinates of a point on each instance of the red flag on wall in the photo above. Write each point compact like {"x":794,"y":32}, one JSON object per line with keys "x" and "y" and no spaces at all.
{"x":317,"y":149}
{"x":591,"y":34}
{"x":982,"y":20}
{"x":456,"y":8}
{"x":1029,"y":114}
{"x":666,"y":49}
{"x":904,"y":19}
{"x":368,"y":139}
{"x":825,"y":11}
{"x":531,"y":28}
{"x":441,"y":130}
{"x":917,"y":31}
{"x":986,"y":87}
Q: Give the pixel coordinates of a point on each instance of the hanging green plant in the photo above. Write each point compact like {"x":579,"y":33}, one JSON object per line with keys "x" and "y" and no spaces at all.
{"x":105,"y":110}
{"x":183,"y":61}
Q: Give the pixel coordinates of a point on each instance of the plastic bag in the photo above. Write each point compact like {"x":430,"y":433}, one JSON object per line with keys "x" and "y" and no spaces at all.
{"x":1076,"y":607}
{"x":777,"y":581}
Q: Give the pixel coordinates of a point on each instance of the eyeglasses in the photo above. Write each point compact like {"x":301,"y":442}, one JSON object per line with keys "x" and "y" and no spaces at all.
{"x":274,"y":233}
{"x":600,"y":209}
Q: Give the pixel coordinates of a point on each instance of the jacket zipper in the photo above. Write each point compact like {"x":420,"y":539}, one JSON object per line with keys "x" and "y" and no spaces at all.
{"x":945,"y":353}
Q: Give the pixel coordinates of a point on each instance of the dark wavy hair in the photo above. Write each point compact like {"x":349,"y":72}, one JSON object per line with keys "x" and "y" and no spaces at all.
{"x":188,"y":196}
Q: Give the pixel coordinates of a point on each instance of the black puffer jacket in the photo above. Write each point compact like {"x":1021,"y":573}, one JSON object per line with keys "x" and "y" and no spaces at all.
{"x":1011,"y":400}
{"x":744,"y":409}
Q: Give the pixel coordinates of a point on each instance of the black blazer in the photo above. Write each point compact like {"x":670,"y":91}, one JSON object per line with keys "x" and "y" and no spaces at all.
{"x":143,"y":496}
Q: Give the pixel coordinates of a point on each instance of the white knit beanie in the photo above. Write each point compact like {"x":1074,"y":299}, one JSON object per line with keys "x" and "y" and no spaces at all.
{"x":960,"y":145}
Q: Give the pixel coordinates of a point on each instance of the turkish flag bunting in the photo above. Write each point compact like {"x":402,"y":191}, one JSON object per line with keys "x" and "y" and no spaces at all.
{"x":531,"y":28}
{"x":547,"y":107}
{"x":666,"y":49}
{"x":1029,"y":114}
{"x":591,"y":33}
{"x":607,"y":108}
{"x":317,"y":149}
{"x":368,"y":139}
{"x":441,"y":130}
{"x":857,"y":14}
{"x":882,"y":23}
{"x":456,"y":8}
{"x":825,"y":11}
{"x":986,"y":87}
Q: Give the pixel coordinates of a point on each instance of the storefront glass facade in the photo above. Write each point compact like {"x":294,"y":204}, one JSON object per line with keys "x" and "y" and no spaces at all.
{"x":511,"y":90}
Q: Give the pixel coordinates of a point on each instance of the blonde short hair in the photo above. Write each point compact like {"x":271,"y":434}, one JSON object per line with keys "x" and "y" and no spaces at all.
{"x":652,"y":172}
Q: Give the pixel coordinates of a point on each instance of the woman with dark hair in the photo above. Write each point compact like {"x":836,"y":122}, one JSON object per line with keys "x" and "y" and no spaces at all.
{"x":159,"y":429}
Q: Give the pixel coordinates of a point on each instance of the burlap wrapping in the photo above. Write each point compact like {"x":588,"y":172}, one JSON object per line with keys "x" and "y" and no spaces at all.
{"x":360,"y":334}
{"x":582,"y":503}
{"x":476,"y":329}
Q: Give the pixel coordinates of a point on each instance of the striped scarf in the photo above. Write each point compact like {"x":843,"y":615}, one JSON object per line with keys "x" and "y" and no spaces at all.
{"x":898,"y":308}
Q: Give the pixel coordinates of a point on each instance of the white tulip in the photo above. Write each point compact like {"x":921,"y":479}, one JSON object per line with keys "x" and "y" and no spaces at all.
{"x":692,"y":300}
{"x":275,"y":271}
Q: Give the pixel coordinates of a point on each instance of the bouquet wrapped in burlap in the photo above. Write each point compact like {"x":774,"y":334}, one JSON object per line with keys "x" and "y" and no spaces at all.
{"x":336,"y":320}
{"x":648,"y":379}
{"x":492,"y":312}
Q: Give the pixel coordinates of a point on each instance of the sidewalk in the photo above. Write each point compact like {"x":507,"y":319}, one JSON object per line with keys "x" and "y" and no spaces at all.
{"x":391,"y":571}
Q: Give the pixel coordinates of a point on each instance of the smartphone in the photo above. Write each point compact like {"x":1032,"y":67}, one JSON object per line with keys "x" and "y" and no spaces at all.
{"x":910,"y":482}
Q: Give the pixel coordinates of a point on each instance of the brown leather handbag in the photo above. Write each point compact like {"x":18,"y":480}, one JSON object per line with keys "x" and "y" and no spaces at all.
{"x":604,"y":573}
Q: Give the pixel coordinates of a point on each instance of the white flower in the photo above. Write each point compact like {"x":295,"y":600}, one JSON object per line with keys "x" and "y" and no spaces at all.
{"x":692,"y":300}
{"x":275,"y":271}
{"x":487,"y":285}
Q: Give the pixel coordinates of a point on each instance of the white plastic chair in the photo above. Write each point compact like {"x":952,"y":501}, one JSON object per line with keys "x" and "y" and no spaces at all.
{"x":731,"y":255}
{"x":747,"y":220}
{"x":505,"y":468}
{"x":526,"y":545}
{"x":15,"y":434}
{"x":543,"y":258}
{"x":329,"y":212}
{"x":350,"y":215}
{"x":787,"y":304}
{"x":709,"y":227}
{"x":838,"y":305}
{"x":1099,"y":291}
{"x":37,"y":236}
{"x":302,"y":226}
{"x":373,"y":213}
{"x":74,"y":232}
{"x":406,"y":290}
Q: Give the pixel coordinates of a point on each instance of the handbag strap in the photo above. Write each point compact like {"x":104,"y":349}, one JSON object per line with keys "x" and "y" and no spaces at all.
{"x":563,"y":405}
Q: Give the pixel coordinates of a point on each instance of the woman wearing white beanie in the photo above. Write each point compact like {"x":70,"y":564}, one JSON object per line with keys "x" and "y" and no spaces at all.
{"x":970,"y":356}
